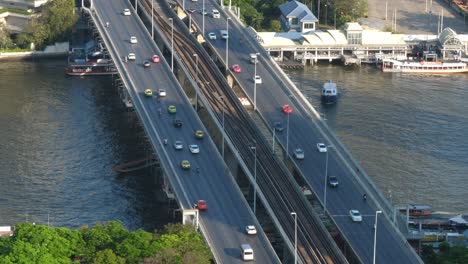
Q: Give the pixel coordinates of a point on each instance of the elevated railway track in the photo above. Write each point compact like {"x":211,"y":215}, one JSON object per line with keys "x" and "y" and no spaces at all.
{"x":274,"y":181}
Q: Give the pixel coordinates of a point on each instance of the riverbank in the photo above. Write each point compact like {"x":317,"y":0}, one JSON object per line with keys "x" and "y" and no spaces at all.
{"x":58,"y":50}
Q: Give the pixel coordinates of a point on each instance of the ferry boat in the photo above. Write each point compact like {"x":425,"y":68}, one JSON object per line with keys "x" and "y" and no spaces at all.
{"x":416,"y":210}
{"x":329,"y":93}
{"x":389,"y":65}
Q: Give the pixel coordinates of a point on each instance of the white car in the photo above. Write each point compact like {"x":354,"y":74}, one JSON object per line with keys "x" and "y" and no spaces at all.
{"x":250,"y":230}
{"x":258,"y":79}
{"x":126,"y":12}
{"x":131,"y":56}
{"x":178,"y":145}
{"x":299,"y":154}
{"x":215,"y":13}
{"x":133,"y":40}
{"x":321,"y":147}
{"x":212,"y":35}
{"x":162,"y":93}
{"x":355,"y":215}
{"x":194,"y":149}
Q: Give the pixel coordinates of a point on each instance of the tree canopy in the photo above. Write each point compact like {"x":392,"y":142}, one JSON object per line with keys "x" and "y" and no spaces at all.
{"x":263,"y":14}
{"x":104,"y":243}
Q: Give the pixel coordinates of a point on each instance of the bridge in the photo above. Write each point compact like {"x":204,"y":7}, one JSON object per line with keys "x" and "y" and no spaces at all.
{"x":228,"y":211}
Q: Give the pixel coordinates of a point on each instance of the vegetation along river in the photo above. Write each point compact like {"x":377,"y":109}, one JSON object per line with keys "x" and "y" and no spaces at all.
{"x":60,"y":137}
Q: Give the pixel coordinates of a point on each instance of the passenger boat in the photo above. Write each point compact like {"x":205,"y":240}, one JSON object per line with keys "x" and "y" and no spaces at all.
{"x":389,"y":65}
{"x":416,"y":210}
{"x":329,"y":93}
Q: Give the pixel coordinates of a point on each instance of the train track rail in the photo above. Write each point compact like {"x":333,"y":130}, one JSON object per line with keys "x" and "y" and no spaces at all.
{"x":274,"y":180}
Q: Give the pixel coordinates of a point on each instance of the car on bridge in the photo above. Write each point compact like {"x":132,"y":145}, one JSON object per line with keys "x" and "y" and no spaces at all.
{"x":321,"y":147}
{"x":203,"y":12}
{"x":185,"y":165}
{"x":194,"y":149}
{"x":278,"y":126}
{"x":133,"y":40}
{"x":148,"y":92}
{"x":299,"y":154}
{"x":178,"y":145}
{"x":201,"y":205}
{"x":257,"y":79}
{"x":236,"y":68}
{"x":286,"y":109}
{"x":199,"y":134}
{"x":177,"y":123}
{"x":215,"y":13}
{"x":162,"y":93}
{"x":332,"y":181}
{"x":250,"y":230}
{"x":355,"y":215}
{"x":155,"y":58}
{"x":146,"y":64}
{"x":126,"y":12}
{"x":131,"y":56}
{"x":212,"y":36}
{"x":172,"y":109}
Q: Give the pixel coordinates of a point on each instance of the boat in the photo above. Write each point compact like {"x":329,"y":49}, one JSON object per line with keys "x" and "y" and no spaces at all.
{"x":83,"y":70}
{"x":135,"y":165}
{"x":390,"y":65}
{"x":6,"y":231}
{"x":329,"y":93}
{"x":416,"y":210}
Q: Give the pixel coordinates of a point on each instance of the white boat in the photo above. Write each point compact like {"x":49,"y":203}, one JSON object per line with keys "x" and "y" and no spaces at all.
{"x":389,"y":65}
{"x":329,"y":93}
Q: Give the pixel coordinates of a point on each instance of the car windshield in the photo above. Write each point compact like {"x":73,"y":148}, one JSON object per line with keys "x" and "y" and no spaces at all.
{"x":355,"y":213}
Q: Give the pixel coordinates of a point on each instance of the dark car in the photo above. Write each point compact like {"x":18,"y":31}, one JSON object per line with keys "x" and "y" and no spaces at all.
{"x":279,"y":126}
{"x":146,"y":64}
{"x":177,"y":123}
{"x":332,"y":181}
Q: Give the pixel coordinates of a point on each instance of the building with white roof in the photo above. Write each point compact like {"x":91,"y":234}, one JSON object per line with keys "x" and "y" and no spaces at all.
{"x":354,"y":41}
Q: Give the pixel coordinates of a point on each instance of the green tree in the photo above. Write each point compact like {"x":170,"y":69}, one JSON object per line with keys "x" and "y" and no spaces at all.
{"x":106,"y":256}
{"x":5,"y":40}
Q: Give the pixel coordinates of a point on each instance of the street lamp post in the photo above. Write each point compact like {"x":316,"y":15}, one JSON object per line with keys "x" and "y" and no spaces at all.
{"x":375,"y":234}
{"x":198,"y":81}
{"x":227,"y":43}
{"x":255,"y":83}
{"x":255,"y":178}
{"x":273,"y":140}
{"x":222,"y":144}
{"x":287,"y":137}
{"x":172,"y":43}
{"x":136,"y":6}
{"x":152,"y":19}
{"x":295,"y":236}
{"x":325,"y":180}
{"x":203,"y":18}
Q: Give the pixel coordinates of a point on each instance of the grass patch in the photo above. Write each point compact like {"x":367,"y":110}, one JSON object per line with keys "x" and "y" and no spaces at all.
{"x":17,"y":11}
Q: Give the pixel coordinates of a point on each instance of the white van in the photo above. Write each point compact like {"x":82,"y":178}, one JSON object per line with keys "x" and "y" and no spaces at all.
{"x":247,"y":252}
{"x":253,"y":58}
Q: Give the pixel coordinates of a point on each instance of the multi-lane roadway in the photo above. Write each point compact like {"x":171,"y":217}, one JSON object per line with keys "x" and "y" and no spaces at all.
{"x":209,"y":179}
{"x":305,"y":131}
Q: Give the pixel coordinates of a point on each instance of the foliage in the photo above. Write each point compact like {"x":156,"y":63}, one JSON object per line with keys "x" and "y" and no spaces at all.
{"x":261,"y":14}
{"x":54,"y":24}
{"x":446,"y":254}
{"x":5,"y":40}
{"x":105,"y":243}
{"x":17,"y":11}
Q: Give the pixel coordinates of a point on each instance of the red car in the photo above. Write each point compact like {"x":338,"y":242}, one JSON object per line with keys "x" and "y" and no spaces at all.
{"x":155,"y":58}
{"x":236,"y":68}
{"x":287,"y":109}
{"x":201,"y":205}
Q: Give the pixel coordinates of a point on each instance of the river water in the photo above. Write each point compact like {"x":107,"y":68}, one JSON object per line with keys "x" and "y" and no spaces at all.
{"x":60,"y":137}
{"x":409,"y":132}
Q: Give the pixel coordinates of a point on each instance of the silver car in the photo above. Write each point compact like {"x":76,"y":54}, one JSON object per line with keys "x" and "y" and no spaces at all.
{"x":299,"y":154}
{"x":178,"y":145}
{"x":194,"y":149}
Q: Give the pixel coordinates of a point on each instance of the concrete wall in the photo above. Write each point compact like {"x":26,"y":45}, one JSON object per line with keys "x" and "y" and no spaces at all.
{"x":59,"y":49}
